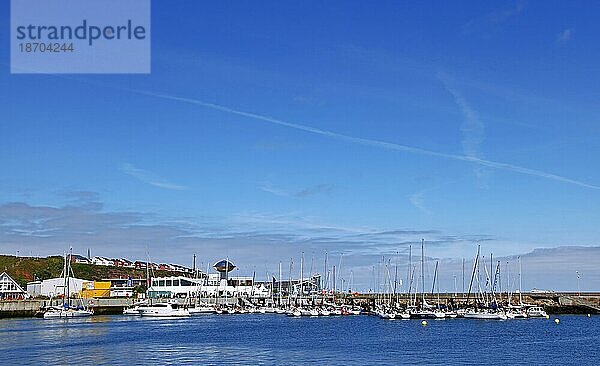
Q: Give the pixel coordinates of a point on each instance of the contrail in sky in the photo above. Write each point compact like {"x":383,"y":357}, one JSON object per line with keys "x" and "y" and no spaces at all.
{"x":372,"y":142}
{"x":352,"y":139}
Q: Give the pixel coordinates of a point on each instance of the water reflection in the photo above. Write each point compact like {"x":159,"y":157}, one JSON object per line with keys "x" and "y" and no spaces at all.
{"x":271,"y":339}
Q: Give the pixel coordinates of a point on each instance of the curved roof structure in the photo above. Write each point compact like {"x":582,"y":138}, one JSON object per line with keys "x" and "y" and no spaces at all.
{"x":224,"y":266}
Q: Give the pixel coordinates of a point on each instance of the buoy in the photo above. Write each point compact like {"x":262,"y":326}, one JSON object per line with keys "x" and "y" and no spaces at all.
{"x":589,"y":315}
{"x":424,"y":323}
{"x":547,"y":316}
{"x":557,"y":321}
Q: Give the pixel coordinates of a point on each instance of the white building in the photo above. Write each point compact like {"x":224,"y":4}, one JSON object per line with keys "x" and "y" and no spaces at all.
{"x":103,"y":261}
{"x":10,"y":289}
{"x":80,"y":259}
{"x":55,"y":287}
{"x":213,"y":286}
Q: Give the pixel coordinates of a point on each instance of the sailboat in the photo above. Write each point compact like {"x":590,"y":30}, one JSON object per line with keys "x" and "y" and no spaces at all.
{"x":424,"y":311}
{"x":163,"y":310}
{"x":133,"y":309}
{"x":486,"y":313}
{"x":515,"y":311}
{"x":67,"y":310}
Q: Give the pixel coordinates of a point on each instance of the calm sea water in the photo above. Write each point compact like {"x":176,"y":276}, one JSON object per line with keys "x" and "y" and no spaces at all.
{"x":271,"y":339}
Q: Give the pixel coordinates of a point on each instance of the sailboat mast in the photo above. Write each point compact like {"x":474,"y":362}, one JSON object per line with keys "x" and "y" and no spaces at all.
{"x":434,"y":277}
{"x":492,"y":281}
{"x":475,"y":266}
{"x":509,"y":287}
{"x":290,"y":283}
{"x":437,"y":285}
{"x":226,"y":278}
{"x":326,"y":274}
{"x":463,"y":276}
{"x":396,"y":276}
{"x":301,"y":277}
{"x":279,"y":284}
{"x":351,"y":279}
{"x":340,"y":273}
{"x":409,"y":277}
{"x":66,"y":279}
{"x":423,"y":270}
{"x":147,"y":270}
{"x":520,"y":283}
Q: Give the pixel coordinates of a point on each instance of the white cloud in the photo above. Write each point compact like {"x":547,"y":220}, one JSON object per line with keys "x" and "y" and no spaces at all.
{"x":418,"y":200}
{"x":150,"y":178}
{"x":564,"y":36}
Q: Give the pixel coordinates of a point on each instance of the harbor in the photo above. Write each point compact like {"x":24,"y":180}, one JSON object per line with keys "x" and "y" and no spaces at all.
{"x":194,"y":292}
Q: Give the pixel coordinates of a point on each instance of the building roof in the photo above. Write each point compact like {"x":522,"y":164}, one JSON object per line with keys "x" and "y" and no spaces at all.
{"x":224,"y":266}
{"x":6,"y":279}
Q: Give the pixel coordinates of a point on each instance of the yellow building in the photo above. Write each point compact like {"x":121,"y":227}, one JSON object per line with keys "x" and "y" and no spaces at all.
{"x":95,"y":289}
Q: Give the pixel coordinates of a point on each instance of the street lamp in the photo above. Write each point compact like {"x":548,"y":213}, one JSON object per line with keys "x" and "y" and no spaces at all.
{"x":578,"y":278}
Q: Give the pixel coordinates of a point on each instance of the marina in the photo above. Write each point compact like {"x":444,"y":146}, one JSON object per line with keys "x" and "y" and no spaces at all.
{"x":201,"y":293}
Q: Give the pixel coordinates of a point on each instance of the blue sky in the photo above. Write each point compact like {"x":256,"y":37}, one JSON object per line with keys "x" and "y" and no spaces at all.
{"x":267,"y":128}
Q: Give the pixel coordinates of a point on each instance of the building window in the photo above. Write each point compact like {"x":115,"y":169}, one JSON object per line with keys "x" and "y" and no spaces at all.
{"x":161,"y":283}
{"x":175,"y":282}
{"x":168,"y":283}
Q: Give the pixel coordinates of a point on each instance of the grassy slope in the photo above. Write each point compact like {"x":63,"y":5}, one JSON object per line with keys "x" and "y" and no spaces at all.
{"x":24,"y":269}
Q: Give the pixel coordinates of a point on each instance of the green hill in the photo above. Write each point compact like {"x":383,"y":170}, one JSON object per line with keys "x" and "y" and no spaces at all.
{"x":26,"y":269}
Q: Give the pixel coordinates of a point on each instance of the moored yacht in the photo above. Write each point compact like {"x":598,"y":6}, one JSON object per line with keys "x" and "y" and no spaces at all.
{"x":485,"y":314}
{"x":294,"y":312}
{"x":66,"y":312}
{"x":163,"y":310}
{"x":536,"y":312}
{"x":423,"y":314}
{"x":134,"y":309}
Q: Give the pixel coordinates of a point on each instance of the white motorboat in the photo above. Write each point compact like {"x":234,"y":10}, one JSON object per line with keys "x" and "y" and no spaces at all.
{"x":309,"y":312}
{"x":439,"y":314}
{"x":324,"y":312}
{"x":134,"y":309}
{"x":355,"y":311}
{"x":336,"y":312}
{"x":387,"y":315}
{"x":486,"y":315}
{"x":536,"y":312}
{"x":163,"y":310}
{"x":516,"y":314}
{"x":294,"y":312}
{"x":423,"y":314}
{"x":403,"y":315}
